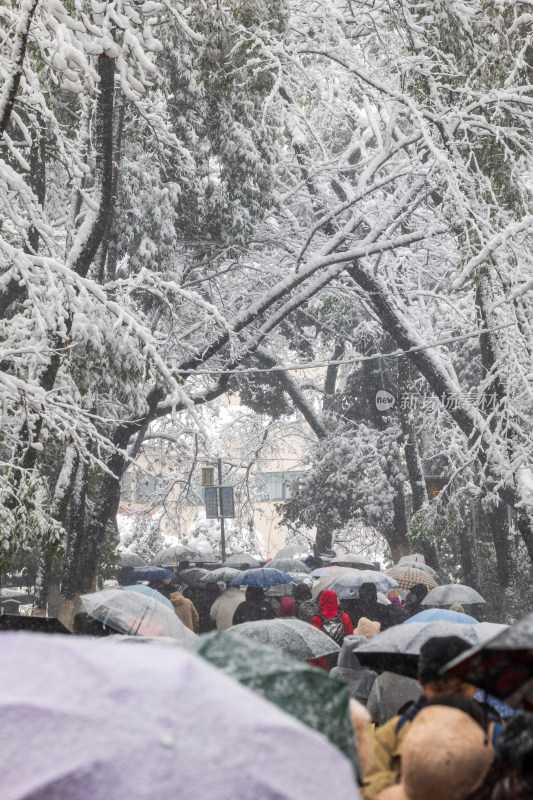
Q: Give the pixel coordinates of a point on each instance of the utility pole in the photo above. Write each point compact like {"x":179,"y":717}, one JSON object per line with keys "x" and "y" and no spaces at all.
{"x":222,"y":531}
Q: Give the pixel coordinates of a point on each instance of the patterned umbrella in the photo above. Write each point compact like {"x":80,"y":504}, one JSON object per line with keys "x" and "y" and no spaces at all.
{"x":408,"y":576}
{"x":419,"y":565}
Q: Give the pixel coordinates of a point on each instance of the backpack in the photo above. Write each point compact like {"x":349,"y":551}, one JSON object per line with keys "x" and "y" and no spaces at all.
{"x":334,"y":627}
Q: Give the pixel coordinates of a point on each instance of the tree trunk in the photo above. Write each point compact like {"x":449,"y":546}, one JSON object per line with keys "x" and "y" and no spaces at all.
{"x":18,"y":53}
{"x":37,"y":176}
{"x":76,"y":528}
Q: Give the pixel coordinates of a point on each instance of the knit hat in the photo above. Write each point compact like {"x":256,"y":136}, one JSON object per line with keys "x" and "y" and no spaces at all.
{"x":367,"y":627}
{"x":436,"y":653}
{"x":445,"y":755}
{"x":457,"y":607}
{"x":287,"y":607}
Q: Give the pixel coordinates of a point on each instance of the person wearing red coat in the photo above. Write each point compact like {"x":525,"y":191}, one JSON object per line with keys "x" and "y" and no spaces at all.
{"x":328,"y":608}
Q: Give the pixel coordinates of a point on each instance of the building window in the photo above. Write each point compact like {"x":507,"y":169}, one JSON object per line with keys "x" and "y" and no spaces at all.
{"x":276,"y":485}
{"x":145,"y":488}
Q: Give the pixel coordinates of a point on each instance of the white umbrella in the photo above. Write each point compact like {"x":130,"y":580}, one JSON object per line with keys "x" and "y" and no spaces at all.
{"x":452,"y":593}
{"x":132,"y":613}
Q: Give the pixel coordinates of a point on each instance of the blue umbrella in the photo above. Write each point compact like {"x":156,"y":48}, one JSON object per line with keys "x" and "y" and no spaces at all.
{"x":150,"y":574}
{"x":441,"y":615}
{"x":141,"y":589}
{"x":263,"y":578}
{"x":504,"y":710}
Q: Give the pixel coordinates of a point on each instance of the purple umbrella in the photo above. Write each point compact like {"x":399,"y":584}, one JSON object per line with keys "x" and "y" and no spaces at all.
{"x":107,"y":723}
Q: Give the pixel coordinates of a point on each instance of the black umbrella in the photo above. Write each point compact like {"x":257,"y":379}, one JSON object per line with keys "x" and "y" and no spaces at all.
{"x":12,"y":622}
{"x":502,"y":666}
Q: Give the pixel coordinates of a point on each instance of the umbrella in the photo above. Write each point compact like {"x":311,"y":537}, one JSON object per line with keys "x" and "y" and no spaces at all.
{"x":287,"y":589}
{"x":397,"y":649}
{"x":206,"y":558}
{"x":408,"y":576}
{"x":452,"y":593}
{"x":130,"y":612}
{"x":288,"y":565}
{"x":170,"y":556}
{"x":321,"y":571}
{"x":261,"y":577}
{"x":241,"y":561}
{"x":224,"y":574}
{"x":147,"y":592}
{"x":347,"y":585}
{"x":150,"y":574}
{"x":292,"y":551}
{"x":131,"y":560}
{"x":192,"y":576}
{"x":298,"y":689}
{"x":419,"y":565}
{"x":291,"y":636}
{"x":502,"y":666}
{"x":441,"y":615}
{"x":124,"y":722}
{"x":352,"y":560}
{"x":15,"y":622}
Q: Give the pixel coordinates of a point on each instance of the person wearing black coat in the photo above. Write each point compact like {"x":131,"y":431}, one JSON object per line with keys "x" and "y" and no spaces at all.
{"x":254,"y":608}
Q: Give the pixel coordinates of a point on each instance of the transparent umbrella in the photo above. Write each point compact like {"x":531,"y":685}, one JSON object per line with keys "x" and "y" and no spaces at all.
{"x":131,"y":560}
{"x":452,"y":593}
{"x":291,"y":636}
{"x":133,"y":613}
{"x":170,"y":556}
{"x":288,"y":565}
{"x":292,"y":551}
{"x":241,"y":561}
{"x":347,"y":584}
{"x":352,"y":560}
{"x":225,"y":574}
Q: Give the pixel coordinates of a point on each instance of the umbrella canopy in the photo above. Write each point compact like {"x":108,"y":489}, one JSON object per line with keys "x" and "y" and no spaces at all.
{"x":241,"y":561}
{"x":441,"y":615}
{"x":287,"y":589}
{"x":397,"y":649}
{"x":321,"y":571}
{"x":292,"y":551}
{"x":262,"y":578}
{"x":225,"y":574}
{"x":502,"y":666}
{"x":133,"y":613}
{"x":452,"y":593}
{"x":205,"y":558}
{"x":347,"y":585}
{"x":140,"y":588}
{"x":170,"y":556}
{"x":131,"y":560}
{"x":408,"y":576}
{"x":419,"y":565}
{"x":288,"y":565}
{"x":192,"y":576}
{"x":352,"y":560}
{"x":291,"y":636}
{"x":125,"y":722}
{"x":300,"y":690}
{"x":150,"y":574}
{"x":14,"y":622}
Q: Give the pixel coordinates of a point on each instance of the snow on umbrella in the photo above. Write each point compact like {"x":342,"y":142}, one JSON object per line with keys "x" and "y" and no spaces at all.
{"x":205,"y":558}
{"x":419,"y":565}
{"x":292,"y":551}
{"x":192,"y":576}
{"x":133,"y":613}
{"x":288,"y":565}
{"x":287,"y":589}
{"x":291,"y":636}
{"x":225,"y":574}
{"x":150,"y":574}
{"x":262,"y":578}
{"x":140,"y":588}
{"x":397,"y":649}
{"x":352,"y":560}
{"x":241,"y":561}
{"x":117,"y":733}
{"x":131,"y":560}
{"x":408,"y":576}
{"x":441,"y":615}
{"x":170,"y":556}
{"x":503,"y":665}
{"x":347,"y":585}
{"x":306,"y":693}
{"x":319,"y":572}
{"x":452,"y":593}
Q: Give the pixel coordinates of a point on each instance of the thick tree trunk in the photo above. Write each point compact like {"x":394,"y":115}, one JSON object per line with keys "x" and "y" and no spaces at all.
{"x":76,"y":528}
{"x":18,"y":53}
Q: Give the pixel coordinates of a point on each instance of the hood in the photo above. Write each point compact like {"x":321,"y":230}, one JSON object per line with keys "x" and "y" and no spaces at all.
{"x":368,"y":593}
{"x":287,"y":607}
{"x":329,"y":604}
{"x":176,"y":598}
{"x":254,"y":594}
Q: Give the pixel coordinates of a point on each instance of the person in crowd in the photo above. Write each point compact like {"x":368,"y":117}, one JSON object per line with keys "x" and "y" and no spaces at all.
{"x":225,"y":606}
{"x":395,"y":598}
{"x":457,"y":607}
{"x":511,"y":774}
{"x":388,"y":740}
{"x":330,"y":620}
{"x":255,"y":607}
{"x":367,"y":606}
{"x":390,"y":693}
{"x":287,"y":607}
{"x":206,"y":594}
{"x":445,"y":756}
{"x":413,"y":601}
{"x":85,"y":625}
{"x":306,"y":608}
{"x":186,"y":610}
{"x":349,"y":670}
